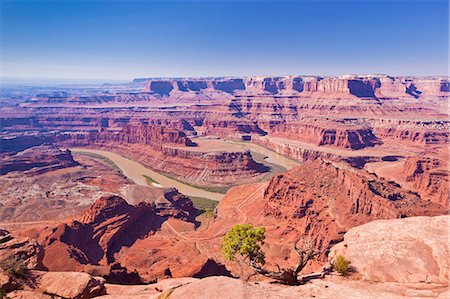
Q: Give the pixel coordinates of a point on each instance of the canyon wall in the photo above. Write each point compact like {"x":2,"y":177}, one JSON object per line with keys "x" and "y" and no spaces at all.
{"x":322,"y":199}
{"x":367,"y":86}
{"x":169,"y":151}
{"x":430,"y":176}
{"x":37,"y":160}
{"x":327,"y":134}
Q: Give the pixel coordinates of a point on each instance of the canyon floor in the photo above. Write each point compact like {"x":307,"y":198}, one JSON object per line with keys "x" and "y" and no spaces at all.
{"x":128,"y":191}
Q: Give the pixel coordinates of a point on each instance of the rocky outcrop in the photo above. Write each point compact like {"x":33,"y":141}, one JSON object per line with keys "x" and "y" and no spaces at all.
{"x":102,"y":230}
{"x":46,"y":285}
{"x":410,"y":250}
{"x":19,"y":250}
{"x":19,"y":143}
{"x":318,"y":201}
{"x":323,"y":199}
{"x":294,"y":152}
{"x":153,"y":136}
{"x":414,"y":135}
{"x":169,"y":151}
{"x":303,"y":152}
{"x":37,"y":160}
{"x":165,"y":87}
{"x":329,"y":288}
{"x":430,"y":176}
{"x":75,"y":285}
{"x":18,"y":255}
{"x":107,"y":234}
{"x":327,"y":134}
{"x":57,"y":195}
{"x":366,"y":86}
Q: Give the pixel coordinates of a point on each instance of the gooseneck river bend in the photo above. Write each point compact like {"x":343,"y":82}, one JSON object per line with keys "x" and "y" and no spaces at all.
{"x":136,"y":171}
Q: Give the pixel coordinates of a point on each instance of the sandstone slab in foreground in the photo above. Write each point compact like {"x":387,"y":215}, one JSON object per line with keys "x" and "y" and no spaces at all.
{"x":409,"y":250}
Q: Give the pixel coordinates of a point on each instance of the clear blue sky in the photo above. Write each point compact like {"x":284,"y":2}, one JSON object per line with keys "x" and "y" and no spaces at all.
{"x":128,"y":39}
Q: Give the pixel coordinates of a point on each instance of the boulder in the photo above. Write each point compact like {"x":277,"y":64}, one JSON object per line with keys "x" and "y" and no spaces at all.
{"x":75,"y":285}
{"x":24,"y":250}
{"x":21,"y":294}
{"x":408,"y":250}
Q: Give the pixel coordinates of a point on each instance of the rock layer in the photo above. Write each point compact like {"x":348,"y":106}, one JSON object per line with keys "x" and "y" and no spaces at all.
{"x":37,"y":160}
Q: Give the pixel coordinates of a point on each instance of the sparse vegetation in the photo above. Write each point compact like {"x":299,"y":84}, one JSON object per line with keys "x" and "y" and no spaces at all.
{"x":244,"y":241}
{"x":13,"y":266}
{"x":204,"y":204}
{"x":149,"y":180}
{"x":209,"y":213}
{"x":166,"y":294}
{"x":341,"y":265}
{"x":102,"y":159}
{"x":212,"y":188}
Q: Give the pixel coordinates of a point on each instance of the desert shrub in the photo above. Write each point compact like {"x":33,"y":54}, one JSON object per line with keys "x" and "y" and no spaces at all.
{"x":13,"y":266}
{"x":341,"y":265}
{"x":209,"y":213}
{"x":202,"y":204}
{"x":166,"y":294}
{"x":244,"y":240}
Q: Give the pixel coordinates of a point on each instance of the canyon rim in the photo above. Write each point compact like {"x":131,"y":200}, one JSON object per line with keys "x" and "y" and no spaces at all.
{"x":153,"y":175}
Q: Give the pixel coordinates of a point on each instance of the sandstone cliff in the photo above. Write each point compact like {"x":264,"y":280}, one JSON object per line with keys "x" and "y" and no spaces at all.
{"x":37,"y":160}
{"x":323,"y":199}
{"x":365,"y":86}
{"x":169,"y":151}
{"x":328,"y":134}
{"x":430,"y":176}
{"x":102,"y":230}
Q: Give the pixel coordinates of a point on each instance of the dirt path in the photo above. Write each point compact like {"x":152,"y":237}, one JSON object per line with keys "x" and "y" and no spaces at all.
{"x":23,"y":223}
{"x":224,"y":229}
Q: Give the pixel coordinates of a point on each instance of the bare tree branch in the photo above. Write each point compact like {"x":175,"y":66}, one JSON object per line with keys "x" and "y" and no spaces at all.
{"x":288,"y":276}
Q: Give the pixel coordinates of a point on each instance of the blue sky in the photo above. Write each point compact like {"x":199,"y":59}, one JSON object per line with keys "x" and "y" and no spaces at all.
{"x":128,"y":39}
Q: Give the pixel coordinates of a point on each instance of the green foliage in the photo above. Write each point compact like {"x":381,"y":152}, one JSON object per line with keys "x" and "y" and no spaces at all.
{"x":105,"y":160}
{"x":246,"y":241}
{"x":201,"y":203}
{"x":13,"y":266}
{"x":208,"y":213}
{"x":149,"y":180}
{"x":341,"y":265}
{"x":2,"y":293}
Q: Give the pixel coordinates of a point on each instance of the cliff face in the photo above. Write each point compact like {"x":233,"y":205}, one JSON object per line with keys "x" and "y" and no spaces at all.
{"x":102,"y":230}
{"x":304,"y":154}
{"x":324,"y":134}
{"x":323,"y":199}
{"x":168,"y":151}
{"x":19,"y":143}
{"x":369,"y":86}
{"x":113,"y":238}
{"x":165,"y":87}
{"x":430,"y":176}
{"x":154,"y":136}
{"x":37,"y":160}
{"x":414,"y":135}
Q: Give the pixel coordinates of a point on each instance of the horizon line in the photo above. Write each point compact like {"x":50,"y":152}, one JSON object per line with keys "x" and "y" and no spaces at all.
{"x":213,"y":77}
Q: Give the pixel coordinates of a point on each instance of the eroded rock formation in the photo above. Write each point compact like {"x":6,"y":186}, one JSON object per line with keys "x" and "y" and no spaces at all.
{"x":37,"y":160}
{"x":328,"y":134}
{"x":429,"y":175}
